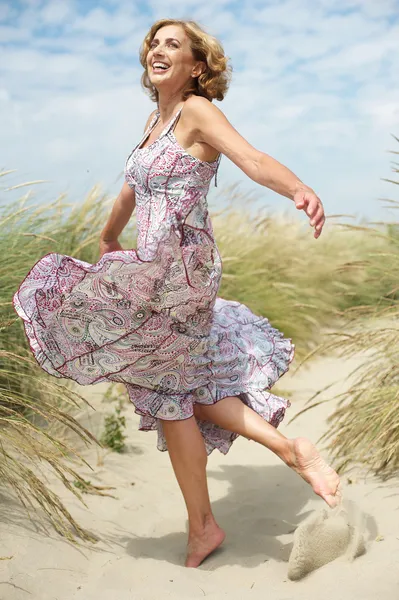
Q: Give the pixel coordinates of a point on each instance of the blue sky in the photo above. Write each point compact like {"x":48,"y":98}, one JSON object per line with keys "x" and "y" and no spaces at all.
{"x":314,"y":86}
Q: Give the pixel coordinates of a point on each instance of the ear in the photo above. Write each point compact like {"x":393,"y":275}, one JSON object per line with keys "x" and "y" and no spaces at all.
{"x":198,"y":69}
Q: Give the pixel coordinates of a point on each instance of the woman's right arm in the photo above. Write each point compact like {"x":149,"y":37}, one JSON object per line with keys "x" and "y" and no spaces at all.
{"x":121,"y":212}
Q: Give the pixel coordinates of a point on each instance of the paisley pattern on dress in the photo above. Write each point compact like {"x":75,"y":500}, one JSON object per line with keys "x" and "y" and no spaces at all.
{"x":150,"y":318}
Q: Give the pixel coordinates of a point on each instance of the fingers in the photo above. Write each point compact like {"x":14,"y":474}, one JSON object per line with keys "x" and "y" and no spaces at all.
{"x":317,"y":220}
{"x":308,"y":202}
{"x":312,"y":204}
{"x":313,"y":207}
{"x":301,"y":200}
{"x":317,"y":215}
{"x":319,"y":227}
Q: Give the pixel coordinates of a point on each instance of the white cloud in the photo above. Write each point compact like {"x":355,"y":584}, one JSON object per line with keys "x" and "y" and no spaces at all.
{"x":57,"y":12}
{"x":314,"y":87}
{"x":12,"y":34}
{"x":100,"y":22}
{"x":360,"y":56}
{"x":5,"y":11}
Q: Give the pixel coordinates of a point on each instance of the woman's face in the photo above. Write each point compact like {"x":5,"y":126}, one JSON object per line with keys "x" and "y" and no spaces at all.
{"x":170,"y":62}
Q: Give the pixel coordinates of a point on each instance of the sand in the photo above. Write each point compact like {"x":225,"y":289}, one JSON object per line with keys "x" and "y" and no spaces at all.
{"x":256,"y":499}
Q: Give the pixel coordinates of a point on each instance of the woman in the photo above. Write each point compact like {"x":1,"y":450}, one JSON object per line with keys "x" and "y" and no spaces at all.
{"x":197,"y":368}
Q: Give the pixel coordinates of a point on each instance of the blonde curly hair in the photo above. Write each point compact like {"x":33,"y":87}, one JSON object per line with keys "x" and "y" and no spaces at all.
{"x":213,"y":82}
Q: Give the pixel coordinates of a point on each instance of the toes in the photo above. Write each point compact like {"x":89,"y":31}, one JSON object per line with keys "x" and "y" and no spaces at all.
{"x":331,"y":500}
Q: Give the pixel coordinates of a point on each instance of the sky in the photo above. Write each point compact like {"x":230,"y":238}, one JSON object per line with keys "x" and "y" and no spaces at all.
{"x":315,"y":85}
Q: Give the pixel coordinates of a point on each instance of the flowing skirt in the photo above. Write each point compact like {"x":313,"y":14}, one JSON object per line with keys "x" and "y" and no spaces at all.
{"x":157,"y":326}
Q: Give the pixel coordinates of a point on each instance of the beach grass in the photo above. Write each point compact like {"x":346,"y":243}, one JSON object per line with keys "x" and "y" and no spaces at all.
{"x":35,"y":409}
{"x":364,"y":428}
{"x":304,"y":286}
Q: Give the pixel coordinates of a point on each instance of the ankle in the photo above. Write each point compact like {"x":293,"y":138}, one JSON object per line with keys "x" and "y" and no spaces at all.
{"x":287,"y":453}
{"x":198,"y":526}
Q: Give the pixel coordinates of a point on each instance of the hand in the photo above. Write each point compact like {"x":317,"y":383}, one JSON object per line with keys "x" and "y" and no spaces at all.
{"x":109,"y":247}
{"x":307,"y":200}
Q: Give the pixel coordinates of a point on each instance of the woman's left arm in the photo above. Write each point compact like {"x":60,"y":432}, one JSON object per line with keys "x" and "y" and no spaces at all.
{"x":214,"y":129}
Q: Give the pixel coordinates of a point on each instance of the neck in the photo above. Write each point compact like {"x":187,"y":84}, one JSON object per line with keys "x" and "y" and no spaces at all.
{"x":169,"y":103}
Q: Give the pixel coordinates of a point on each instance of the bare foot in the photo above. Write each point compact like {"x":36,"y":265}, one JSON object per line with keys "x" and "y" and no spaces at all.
{"x":201,"y":545}
{"x":308,"y":463}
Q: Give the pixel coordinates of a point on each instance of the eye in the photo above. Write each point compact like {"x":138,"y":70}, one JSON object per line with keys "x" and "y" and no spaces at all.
{"x":174,"y":44}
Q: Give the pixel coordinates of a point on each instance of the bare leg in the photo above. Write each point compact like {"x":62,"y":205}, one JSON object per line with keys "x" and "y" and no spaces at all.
{"x":299,"y":454}
{"x":188,"y":456}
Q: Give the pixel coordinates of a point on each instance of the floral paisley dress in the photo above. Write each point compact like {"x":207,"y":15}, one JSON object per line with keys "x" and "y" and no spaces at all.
{"x":150,"y":318}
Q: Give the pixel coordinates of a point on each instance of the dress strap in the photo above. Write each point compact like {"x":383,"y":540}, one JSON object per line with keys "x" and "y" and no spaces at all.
{"x":171,"y":123}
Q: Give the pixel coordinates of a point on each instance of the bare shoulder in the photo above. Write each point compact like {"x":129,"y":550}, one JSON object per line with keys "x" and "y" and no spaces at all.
{"x":199,"y":108}
{"x":201,"y":116}
{"x":210,"y":126}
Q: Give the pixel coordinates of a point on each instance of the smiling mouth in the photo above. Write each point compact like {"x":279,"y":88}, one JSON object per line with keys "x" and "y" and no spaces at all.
{"x":160,"y":68}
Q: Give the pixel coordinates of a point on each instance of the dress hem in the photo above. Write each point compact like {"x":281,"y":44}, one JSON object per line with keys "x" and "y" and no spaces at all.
{"x":154,"y":423}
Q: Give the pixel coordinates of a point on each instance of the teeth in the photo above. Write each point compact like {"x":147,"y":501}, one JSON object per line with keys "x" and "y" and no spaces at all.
{"x":159,"y":65}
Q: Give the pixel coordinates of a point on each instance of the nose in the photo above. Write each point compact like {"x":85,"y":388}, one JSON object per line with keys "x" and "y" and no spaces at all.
{"x":158,"y":51}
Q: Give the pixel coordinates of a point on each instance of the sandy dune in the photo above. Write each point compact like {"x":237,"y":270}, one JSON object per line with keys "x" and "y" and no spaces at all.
{"x":257,"y":500}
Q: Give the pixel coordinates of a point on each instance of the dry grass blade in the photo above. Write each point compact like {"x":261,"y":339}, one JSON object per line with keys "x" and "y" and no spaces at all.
{"x":37,"y":235}
{"x":13,"y":216}
{"x":20,"y":185}
{"x":3,"y":173}
{"x":29,"y":487}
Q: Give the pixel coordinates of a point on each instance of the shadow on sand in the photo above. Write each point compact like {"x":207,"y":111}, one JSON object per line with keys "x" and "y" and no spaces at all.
{"x":262,"y":504}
